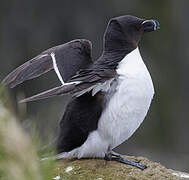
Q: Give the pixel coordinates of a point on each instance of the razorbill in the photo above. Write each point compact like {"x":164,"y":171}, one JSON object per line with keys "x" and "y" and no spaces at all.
{"x":110,"y":96}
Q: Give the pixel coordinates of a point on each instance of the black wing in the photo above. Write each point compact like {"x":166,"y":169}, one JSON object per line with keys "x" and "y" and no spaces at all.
{"x":78,"y":85}
{"x":72,"y":64}
{"x":84,"y":81}
{"x":69,"y":57}
{"x":80,"y":118}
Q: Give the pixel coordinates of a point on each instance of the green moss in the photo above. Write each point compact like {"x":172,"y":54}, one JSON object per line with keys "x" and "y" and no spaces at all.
{"x":102,"y":170}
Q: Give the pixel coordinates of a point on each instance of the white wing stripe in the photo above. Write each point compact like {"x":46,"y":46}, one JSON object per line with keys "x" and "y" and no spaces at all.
{"x":56,"y":68}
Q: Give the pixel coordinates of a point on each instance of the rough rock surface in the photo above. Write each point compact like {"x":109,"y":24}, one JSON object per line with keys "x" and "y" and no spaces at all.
{"x":99,"y":169}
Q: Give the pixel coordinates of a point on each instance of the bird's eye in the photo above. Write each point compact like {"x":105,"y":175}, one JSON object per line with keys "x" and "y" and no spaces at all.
{"x":137,"y":26}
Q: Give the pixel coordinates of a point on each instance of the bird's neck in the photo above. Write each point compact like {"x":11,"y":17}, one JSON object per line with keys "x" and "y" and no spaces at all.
{"x":110,"y":59}
{"x":117,"y":41}
{"x":115,"y":49}
{"x":119,"y":46}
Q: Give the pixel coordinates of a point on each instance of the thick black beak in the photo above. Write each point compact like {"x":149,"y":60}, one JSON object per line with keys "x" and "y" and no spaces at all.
{"x":150,"y":25}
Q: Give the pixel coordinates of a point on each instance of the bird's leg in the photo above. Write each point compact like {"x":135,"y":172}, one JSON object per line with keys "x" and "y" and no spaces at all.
{"x":111,"y":156}
{"x":115,"y":154}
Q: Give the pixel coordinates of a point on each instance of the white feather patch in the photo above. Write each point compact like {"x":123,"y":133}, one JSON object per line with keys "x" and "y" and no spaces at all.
{"x":104,"y":87}
{"x":56,"y":68}
{"x":83,"y":91}
{"x":43,"y":55}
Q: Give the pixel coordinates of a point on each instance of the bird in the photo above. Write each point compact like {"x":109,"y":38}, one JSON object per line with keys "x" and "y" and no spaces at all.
{"x":110,"y":96}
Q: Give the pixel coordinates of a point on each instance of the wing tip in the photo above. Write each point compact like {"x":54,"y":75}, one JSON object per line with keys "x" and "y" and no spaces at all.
{"x":7,"y":82}
{"x":60,"y":90}
{"x":3,"y":82}
{"x":30,"y":99}
{"x":22,"y":101}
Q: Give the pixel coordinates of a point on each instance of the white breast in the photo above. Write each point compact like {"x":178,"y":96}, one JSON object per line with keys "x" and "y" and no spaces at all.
{"x":128,"y":106}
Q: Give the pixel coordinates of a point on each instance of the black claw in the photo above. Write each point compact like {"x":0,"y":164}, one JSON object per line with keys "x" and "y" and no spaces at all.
{"x":142,"y":166}
{"x":108,"y":157}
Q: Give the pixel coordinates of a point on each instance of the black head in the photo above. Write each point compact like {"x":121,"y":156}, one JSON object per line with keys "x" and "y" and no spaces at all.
{"x":124,"y":32}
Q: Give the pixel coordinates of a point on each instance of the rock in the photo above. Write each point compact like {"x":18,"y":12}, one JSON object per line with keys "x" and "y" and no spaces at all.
{"x":99,"y":169}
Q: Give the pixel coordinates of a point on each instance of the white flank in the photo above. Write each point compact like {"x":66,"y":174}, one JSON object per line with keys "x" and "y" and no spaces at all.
{"x":56,"y":68}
